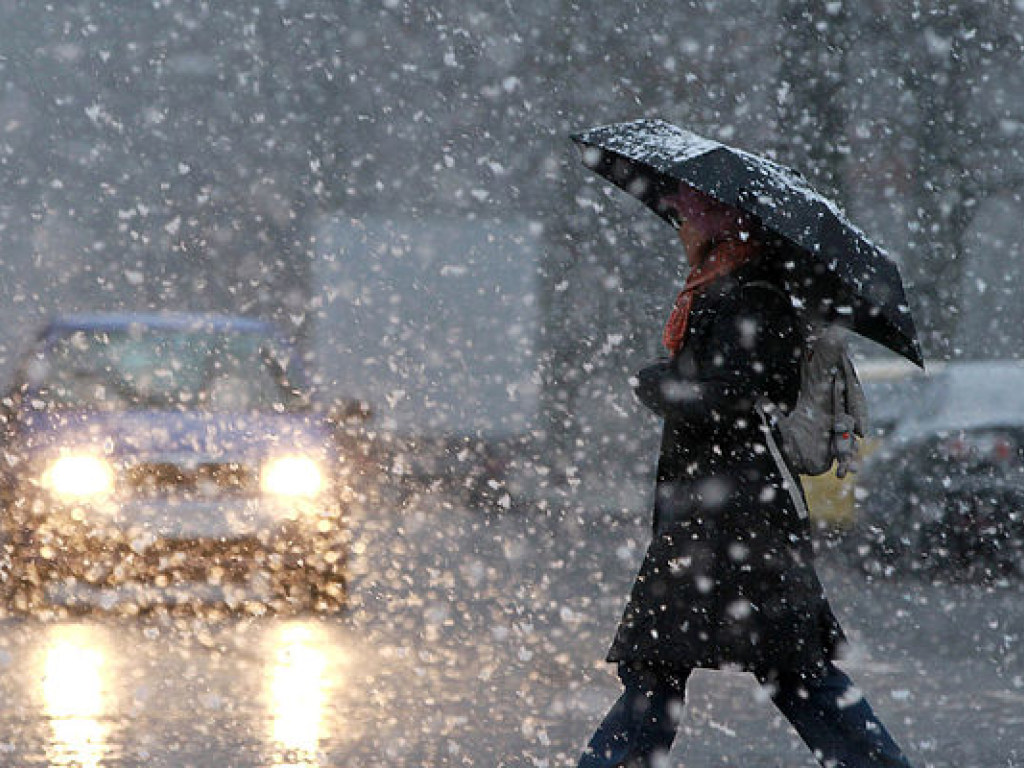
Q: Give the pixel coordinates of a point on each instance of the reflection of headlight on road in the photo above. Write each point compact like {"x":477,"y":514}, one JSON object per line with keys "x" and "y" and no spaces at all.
{"x":74,"y":679}
{"x":297,"y":688}
{"x":292,"y":476}
{"x":79,"y":475}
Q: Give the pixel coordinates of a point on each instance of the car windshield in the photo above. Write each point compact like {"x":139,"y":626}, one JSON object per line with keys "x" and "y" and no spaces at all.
{"x":146,"y":368}
{"x":890,"y":400}
{"x":971,"y":393}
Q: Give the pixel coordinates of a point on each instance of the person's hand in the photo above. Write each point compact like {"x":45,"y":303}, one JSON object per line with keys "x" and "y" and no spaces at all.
{"x":648,"y":386}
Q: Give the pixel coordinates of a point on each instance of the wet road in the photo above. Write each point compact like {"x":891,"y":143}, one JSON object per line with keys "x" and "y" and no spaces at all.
{"x":476,"y":640}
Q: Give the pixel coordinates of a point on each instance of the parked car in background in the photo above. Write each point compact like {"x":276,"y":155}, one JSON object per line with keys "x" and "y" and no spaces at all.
{"x":945,"y":494}
{"x":180,"y":458}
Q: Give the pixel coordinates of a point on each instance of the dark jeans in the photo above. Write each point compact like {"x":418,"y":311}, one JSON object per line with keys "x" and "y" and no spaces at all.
{"x":830,"y":716}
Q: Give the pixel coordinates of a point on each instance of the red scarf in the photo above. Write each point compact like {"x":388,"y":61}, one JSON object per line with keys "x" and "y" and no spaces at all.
{"x":722,"y":258}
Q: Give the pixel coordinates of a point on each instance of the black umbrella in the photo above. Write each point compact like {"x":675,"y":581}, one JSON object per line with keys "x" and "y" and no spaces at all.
{"x":838,"y":271}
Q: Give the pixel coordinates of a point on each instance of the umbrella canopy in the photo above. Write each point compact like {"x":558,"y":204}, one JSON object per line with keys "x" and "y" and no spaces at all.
{"x":838,"y":272}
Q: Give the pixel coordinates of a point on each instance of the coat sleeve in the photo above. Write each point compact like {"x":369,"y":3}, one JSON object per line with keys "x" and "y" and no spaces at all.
{"x":753,"y":347}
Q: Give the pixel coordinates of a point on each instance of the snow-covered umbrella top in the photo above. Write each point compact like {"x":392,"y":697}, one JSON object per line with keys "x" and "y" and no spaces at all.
{"x":845,"y":276}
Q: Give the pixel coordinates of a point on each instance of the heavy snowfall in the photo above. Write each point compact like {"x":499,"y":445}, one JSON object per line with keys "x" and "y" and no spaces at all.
{"x":320,"y":442}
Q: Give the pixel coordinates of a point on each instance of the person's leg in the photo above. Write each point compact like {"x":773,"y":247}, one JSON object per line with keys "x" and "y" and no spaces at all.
{"x":836,"y":722}
{"x":642,"y":724}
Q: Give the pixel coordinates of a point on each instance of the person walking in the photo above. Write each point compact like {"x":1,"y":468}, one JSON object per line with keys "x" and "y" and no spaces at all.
{"x":728,"y":578}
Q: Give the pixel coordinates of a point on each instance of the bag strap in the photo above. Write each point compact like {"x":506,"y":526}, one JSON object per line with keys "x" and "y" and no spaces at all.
{"x":765,"y":284}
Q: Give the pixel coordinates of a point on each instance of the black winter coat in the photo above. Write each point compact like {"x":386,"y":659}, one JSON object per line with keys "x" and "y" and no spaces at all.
{"x":728,"y":578}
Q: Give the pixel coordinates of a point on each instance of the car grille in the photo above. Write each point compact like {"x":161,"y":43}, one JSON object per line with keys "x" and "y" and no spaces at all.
{"x":161,"y":479}
{"x":188,"y":560}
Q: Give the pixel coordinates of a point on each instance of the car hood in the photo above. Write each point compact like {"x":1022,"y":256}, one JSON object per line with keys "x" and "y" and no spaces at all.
{"x":159,"y":433}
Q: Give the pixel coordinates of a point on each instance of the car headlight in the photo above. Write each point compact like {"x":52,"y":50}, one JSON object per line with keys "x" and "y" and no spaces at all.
{"x":79,"y":476}
{"x":292,"y":476}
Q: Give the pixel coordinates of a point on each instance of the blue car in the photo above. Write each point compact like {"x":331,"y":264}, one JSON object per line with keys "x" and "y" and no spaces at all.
{"x":155,"y":459}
